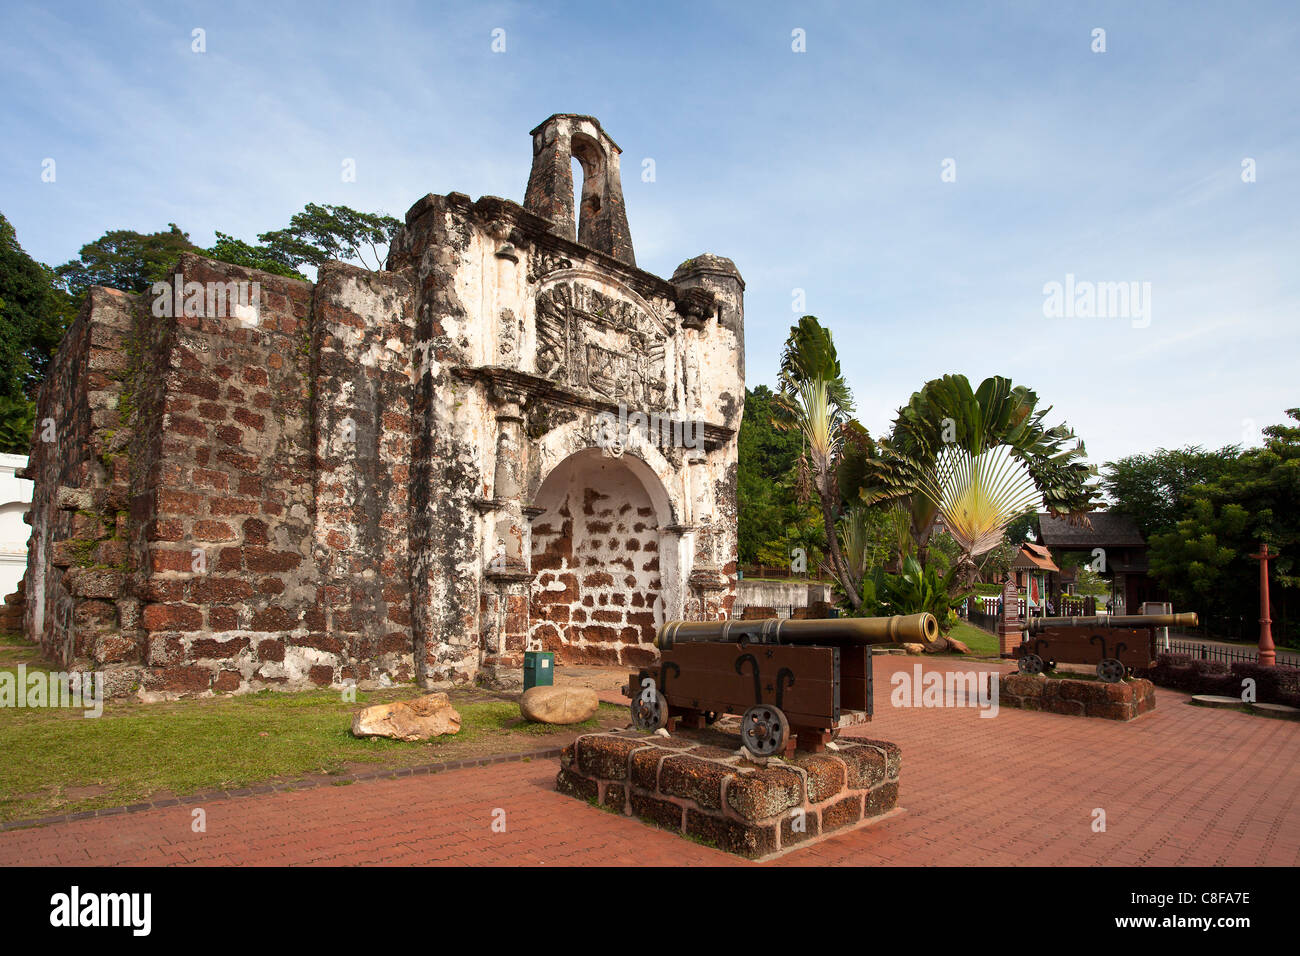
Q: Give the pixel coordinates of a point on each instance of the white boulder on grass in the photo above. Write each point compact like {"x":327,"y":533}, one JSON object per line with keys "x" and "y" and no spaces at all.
{"x":418,"y":719}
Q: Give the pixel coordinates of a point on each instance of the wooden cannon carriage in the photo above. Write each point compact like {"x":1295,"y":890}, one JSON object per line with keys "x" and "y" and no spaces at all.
{"x":794,"y":683}
{"x":1117,"y":645}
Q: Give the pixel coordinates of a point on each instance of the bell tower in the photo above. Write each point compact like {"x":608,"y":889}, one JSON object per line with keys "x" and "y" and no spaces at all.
{"x":601,"y":222}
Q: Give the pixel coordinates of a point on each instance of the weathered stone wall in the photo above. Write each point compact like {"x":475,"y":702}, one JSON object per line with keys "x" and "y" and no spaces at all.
{"x":363,"y":331}
{"x":534,"y":345}
{"x":77,"y":556}
{"x":781,"y":594}
{"x":228,"y":506}
{"x":448,"y":466}
{"x":601,"y":222}
{"x":597,"y":597}
{"x":342,"y":483}
{"x":218,"y":529}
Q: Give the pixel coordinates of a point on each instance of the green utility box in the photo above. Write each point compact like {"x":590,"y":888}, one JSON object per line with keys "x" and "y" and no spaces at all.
{"x":539,"y":669}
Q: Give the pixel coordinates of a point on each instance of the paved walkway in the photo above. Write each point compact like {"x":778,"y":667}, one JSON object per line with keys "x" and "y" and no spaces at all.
{"x":1183,"y":785}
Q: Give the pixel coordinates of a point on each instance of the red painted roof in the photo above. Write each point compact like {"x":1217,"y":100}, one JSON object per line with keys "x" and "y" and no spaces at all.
{"x":1034,"y":556}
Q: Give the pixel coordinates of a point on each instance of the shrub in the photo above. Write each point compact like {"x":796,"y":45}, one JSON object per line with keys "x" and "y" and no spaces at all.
{"x":915,"y":590}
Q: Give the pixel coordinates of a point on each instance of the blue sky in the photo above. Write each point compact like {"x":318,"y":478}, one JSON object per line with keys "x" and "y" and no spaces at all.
{"x":818,"y":171}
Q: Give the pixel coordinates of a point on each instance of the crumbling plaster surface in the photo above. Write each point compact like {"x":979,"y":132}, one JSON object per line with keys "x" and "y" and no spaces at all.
{"x":364,"y":466}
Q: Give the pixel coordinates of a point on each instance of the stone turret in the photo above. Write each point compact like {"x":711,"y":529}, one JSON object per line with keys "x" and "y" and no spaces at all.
{"x":719,"y":275}
{"x":602,"y":223}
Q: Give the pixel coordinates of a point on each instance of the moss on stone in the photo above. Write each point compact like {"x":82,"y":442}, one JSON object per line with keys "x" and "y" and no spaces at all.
{"x":83,"y":551}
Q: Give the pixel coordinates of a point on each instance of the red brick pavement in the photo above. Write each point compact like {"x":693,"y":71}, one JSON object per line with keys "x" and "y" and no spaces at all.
{"x":1183,"y":785}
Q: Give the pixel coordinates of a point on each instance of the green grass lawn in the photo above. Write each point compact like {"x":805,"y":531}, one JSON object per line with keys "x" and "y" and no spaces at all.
{"x":58,"y":761}
{"x":980,"y":642}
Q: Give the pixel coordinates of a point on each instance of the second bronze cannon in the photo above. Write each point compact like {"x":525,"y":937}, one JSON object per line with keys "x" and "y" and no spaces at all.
{"x":1117,"y":644}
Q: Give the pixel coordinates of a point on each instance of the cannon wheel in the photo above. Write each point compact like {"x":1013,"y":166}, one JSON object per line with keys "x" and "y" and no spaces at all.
{"x":652,"y":714}
{"x":764,"y":730}
{"x":1031,"y":664}
{"x":1111,"y":670}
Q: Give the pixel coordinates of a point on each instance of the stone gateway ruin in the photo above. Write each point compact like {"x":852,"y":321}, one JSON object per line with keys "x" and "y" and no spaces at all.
{"x":512,"y":437}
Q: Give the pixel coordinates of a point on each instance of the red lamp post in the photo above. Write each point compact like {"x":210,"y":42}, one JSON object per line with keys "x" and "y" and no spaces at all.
{"x":1267,"y":653}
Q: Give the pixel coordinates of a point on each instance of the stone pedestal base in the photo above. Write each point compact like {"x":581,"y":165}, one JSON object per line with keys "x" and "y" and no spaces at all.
{"x":1126,"y":700}
{"x":695,"y":784}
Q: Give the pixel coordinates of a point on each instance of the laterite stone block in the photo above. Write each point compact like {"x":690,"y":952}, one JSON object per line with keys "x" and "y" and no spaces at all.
{"x":696,"y":785}
{"x":1125,"y":700}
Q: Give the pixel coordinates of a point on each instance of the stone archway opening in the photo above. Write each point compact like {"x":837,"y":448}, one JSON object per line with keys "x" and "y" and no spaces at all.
{"x":588,"y":155}
{"x":598,"y":587}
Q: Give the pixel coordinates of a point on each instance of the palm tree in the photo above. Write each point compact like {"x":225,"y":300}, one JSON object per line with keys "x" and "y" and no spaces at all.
{"x":978,"y":496}
{"x":947,"y":430}
{"x":814,"y":400}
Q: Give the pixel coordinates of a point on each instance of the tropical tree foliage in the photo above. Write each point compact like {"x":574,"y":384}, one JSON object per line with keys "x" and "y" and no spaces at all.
{"x":978,"y":496}
{"x":1151,"y":488}
{"x":17,"y":421}
{"x":976,"y":458}
{"x":994,"y":565}
{"x":124,"y":259}
{"x":916,"y":588}
{"x":801,"y":541}
{"x":321,"y":233}
{"x":133,"y":261}
{"x":1024,"y":528}
{"x":1205,"y":559}
{"x":814,"y":402}
{"x":33,"y":315}
{"x":268,"y":258}
{"x":947,"y":417}
{"x":875,"y":536}
{"x":1201,"y":561}
{"x":1089,"y":583}
{"x":765,"y":484}
{"x":865,"y":539}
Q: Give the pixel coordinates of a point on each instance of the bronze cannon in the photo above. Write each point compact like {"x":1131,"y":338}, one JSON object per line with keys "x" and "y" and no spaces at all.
{"x":794,"y":683}
{"x":1117,"y":644}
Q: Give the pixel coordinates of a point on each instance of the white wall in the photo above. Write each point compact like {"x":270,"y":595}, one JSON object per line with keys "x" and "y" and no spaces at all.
{"x":779,"y":594}
{"x":15,"y":500}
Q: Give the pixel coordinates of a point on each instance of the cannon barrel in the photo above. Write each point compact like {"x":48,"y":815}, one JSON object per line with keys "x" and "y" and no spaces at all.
{"x":919,"y":628}
{"x":1187,"y":619}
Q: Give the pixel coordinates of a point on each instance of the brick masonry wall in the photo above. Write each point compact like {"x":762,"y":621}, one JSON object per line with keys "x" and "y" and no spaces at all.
{"x":228,"y":571}
{"x":198,"y":524}
{"x":69,"y":588}
{"x":1124,"y":700}
{"x":596,"y":556}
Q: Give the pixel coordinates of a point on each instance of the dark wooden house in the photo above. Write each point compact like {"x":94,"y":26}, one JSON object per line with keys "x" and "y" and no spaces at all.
{"x":1112,"y":542}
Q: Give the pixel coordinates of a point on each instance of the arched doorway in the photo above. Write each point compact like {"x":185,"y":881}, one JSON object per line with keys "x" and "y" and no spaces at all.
{"x":598,"y":586}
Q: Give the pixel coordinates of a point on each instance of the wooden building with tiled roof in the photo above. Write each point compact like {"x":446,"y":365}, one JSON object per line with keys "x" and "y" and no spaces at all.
{"x":1113,"y":537}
